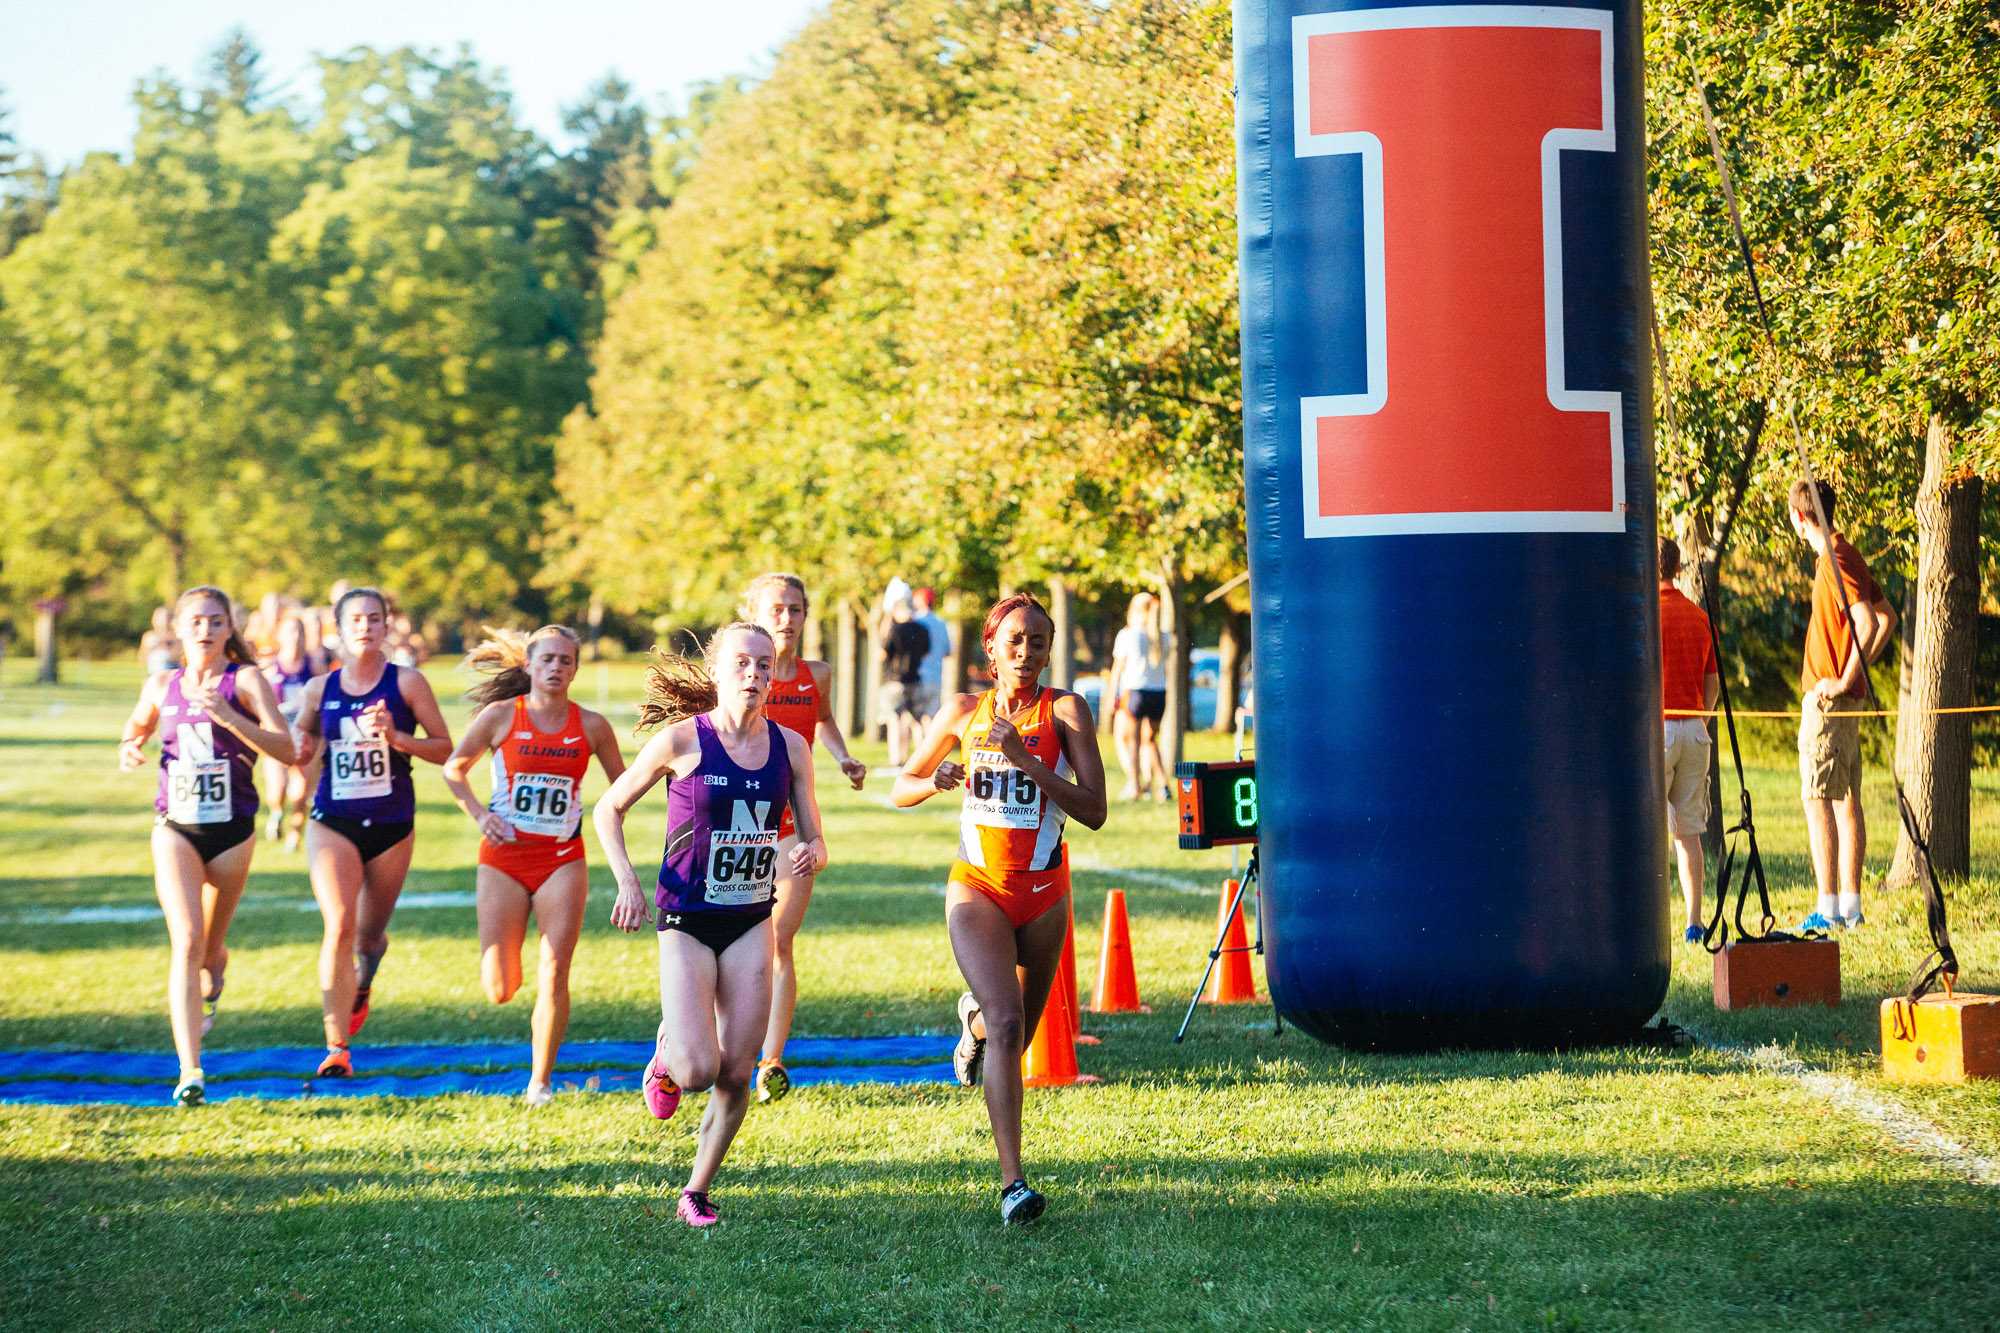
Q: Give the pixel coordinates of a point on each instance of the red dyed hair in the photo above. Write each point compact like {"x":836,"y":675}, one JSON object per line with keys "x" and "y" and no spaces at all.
{"x":1005,"y":607}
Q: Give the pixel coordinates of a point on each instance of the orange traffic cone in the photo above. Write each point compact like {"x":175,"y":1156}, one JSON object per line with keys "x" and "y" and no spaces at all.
{"x":1050,"y":1060}
{"x":1068,"y":978}
{"x":1117,"y":983}
{"x":1230,"y":982}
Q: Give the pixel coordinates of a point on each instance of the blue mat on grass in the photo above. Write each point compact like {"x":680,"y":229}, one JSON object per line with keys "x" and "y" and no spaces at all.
{"x":135,"y":1078}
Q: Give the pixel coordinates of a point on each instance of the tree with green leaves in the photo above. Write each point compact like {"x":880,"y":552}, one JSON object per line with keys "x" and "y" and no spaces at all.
{"x":294,"y":347}
{"x":1855,"y":136}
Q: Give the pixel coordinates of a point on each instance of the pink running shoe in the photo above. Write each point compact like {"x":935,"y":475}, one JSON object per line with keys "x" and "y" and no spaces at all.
{"x":696,"y":1210}
{"x":663,"y":1095}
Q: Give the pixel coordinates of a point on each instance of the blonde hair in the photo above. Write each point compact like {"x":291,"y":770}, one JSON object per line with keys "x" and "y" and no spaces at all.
{"x":1145,"y":608}
{"x":775,"y":579}
{"x":503,"y":656}
{"x":679,"y":687}
{"x":233,"y":647}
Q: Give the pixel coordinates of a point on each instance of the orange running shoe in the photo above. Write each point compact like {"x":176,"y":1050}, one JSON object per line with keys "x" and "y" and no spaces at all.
{"x":339,"y":1063}
{"x":359,"y":1014}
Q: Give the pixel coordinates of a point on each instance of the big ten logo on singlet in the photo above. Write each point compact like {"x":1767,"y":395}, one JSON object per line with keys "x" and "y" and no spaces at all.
{"x":743,"y":858}
{"x":197,"y":781}
{"x":357,"y":765}
{"x":543,"y":804}
{"x":999,"y":795}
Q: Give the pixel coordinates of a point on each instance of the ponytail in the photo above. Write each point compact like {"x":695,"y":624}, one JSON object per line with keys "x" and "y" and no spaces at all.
{"x":233,"y":647}
{"x":679,"y":687}
{"x":502,"y":656}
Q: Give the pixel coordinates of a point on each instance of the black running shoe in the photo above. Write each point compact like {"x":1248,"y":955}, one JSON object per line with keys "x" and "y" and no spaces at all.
{"x":968,"y":1058}
{"x":1020,"y":1204}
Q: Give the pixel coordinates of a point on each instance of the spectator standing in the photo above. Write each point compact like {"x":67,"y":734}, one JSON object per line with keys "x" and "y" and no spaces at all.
{"x":1690,"y":681}
{"x":1851,"y":623}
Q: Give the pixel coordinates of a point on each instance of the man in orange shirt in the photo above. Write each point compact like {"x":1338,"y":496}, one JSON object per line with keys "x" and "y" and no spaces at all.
{"x":1689,"y":682}
{"x":1851,"y":624}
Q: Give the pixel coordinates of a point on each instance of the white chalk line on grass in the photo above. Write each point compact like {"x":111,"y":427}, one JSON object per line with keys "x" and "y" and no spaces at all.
{"x":1905,"y":1127}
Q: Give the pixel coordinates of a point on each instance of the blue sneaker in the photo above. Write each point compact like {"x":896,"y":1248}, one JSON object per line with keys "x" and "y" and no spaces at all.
{"x":1692,"y":935}
{"x":1816,"y":921}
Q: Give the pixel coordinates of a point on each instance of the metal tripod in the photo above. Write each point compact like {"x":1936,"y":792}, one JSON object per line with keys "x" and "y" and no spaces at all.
{"x":1243,"y":886}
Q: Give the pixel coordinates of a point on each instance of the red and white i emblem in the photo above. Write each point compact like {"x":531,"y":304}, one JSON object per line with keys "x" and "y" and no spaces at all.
{"x":1459,"y":114}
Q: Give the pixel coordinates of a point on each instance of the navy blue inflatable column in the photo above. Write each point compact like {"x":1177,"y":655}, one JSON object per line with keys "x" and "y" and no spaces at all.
{"x":1450,"y":473}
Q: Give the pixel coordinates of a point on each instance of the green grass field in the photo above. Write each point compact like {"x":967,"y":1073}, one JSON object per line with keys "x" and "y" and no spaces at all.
{"x":1243,"y":1180}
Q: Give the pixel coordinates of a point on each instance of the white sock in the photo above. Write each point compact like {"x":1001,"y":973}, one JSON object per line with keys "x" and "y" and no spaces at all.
{"x":1850,"y":904}
{"x":1827,"y":907}
{"x":192,"y":1075}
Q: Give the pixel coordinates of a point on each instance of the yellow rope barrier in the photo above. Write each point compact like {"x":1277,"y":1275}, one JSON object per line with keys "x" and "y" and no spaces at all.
{"x":1859,"y":712}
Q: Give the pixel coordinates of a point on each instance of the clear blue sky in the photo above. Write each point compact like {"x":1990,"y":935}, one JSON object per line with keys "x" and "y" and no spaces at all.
{"x":67,"y":67}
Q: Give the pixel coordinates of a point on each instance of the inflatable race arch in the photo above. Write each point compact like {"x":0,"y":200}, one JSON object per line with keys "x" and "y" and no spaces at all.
{"x":1448,"y":457}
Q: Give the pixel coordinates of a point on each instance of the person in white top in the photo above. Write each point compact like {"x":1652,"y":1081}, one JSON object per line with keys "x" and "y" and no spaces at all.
{"x":1139,"y":675}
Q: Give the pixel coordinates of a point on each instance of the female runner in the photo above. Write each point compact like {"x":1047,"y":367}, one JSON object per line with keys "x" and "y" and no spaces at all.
{"x":1139,"y":674}
{"x":731,"y":773}
{"x":530,"y":848}
{"x":1031,"y":763}
{"x":358,"y":845}
{"x":289,"y":671}
{"x":218,"y":717}
{"x":801,"y":699}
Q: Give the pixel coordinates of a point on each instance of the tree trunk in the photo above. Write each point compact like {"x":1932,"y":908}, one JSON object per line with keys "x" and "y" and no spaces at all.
{"x":813,"y":646}
{"x":871,"y":678}
{"x":1173,"y":628}
{"x":964,"y":647}
{"x":1937,"y":758}
{"x":846,"y":673}
{"x":593,"y":620}
{"x":1229,"y":672}
{"x":176,"y":562}
{"x":1062,"y":651}
{"x":1906,"y":658}
{"x":45,"y":647}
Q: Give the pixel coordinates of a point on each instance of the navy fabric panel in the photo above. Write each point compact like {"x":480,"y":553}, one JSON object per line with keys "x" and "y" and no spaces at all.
{"x":1458,"y":734}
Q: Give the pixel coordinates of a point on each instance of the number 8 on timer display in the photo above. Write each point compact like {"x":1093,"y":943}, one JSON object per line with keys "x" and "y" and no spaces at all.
{"x":1217,"y":803}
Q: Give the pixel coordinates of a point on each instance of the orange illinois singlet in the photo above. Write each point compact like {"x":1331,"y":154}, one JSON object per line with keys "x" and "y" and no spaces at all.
{"x":1010,"y":843}
{"x":794,"y":705}
{"x":537,"y":787}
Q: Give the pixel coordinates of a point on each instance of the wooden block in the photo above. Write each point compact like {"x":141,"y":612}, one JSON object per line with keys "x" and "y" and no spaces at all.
{"x":1941,"y":1038}
{"x":1765,"y":974}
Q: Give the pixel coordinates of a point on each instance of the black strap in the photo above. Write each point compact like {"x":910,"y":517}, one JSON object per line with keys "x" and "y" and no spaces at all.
{"x":1945,"y":969}
{"x":1715,"y":938}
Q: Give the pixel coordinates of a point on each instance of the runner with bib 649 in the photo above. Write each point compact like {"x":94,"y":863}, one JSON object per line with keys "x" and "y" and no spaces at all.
{"x":731,"y":773}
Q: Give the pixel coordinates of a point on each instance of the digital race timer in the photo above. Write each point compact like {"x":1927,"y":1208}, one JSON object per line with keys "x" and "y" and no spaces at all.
{"x":1218,"y":803}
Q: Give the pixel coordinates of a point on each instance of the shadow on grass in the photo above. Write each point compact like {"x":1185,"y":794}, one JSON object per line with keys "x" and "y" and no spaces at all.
{"x":441,"y":1235}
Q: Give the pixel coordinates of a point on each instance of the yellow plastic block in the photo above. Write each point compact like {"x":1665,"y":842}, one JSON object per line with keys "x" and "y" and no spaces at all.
{"x":1941,"y":1038}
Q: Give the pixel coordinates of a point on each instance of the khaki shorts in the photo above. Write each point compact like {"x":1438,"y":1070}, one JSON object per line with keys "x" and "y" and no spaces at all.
{"x":1687,"y":750}
{"x":1829,"y":750}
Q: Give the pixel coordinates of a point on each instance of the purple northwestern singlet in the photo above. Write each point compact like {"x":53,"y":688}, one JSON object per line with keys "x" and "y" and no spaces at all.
{"x":207,"y":774}
{"x":722,"y":829}
{"x":364,"y":779}
{"x":289,"y":686}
